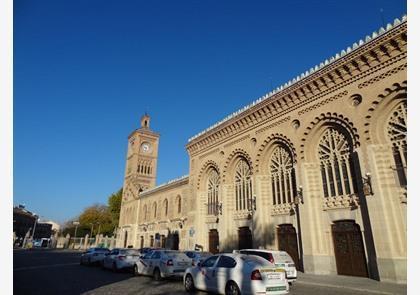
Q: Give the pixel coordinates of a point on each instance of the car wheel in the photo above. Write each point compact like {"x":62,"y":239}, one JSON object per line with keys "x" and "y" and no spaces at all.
{"x":189,"y":283}
{"x":232,"y":289}
{"x":156,"y":274}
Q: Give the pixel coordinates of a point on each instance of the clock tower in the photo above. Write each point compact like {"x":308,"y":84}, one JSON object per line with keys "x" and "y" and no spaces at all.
{"x":141,"y":162}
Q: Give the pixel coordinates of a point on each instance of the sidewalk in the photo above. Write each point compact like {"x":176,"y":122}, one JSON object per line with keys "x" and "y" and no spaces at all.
{"x":351,"y":283}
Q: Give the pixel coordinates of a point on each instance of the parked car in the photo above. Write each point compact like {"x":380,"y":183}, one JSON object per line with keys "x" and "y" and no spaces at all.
{"x":93,"y":256}
{"x":197,"y":256}
{"x":236,"y":274}
{"x":119,"y":259}
{"x":162,"y":264}
{"x":278,"y":258}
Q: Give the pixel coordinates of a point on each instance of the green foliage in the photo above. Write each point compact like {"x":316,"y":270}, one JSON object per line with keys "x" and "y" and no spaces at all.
{"x":100,"y":219}
{"x":114,"y":205}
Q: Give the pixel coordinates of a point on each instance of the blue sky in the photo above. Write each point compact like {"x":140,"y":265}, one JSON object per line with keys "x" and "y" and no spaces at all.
{"x":85,"y":72}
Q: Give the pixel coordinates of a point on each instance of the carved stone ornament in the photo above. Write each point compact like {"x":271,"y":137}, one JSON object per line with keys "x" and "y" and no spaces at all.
{"x":355,"y":100}
{"x":339,"y":202}
{"x":282,"y":209}
{"x":211,"y":219}
{"x":242,"y":214}
{"x":295,"y":124}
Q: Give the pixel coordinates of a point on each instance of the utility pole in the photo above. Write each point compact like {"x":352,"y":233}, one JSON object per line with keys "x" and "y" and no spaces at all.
{"x":33,"y":231}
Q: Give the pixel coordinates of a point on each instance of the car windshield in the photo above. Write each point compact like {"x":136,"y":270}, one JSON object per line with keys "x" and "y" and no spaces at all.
{"x":251,"y":259}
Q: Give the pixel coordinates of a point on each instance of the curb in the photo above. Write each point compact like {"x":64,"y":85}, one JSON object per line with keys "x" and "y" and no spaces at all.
{"x":346,"y":287}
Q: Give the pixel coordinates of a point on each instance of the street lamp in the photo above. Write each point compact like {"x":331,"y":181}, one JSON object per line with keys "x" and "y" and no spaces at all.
{"x":76,"y":223}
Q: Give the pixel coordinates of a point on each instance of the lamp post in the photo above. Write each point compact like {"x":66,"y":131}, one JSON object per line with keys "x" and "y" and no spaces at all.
{"x":33,"y":231}
{"x":91,"y":229}
{"x":76,"y":223}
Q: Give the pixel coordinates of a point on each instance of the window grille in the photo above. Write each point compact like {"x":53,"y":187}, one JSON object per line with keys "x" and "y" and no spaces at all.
{"x":282,"y":176}
{"x":243,"y":185}
{"x":213,"y":192}
{"x":397,"y":133}
{"x":334,"y":151}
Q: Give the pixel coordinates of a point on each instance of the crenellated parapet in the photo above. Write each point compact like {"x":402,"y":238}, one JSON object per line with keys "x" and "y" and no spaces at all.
{"x":363,"y":58}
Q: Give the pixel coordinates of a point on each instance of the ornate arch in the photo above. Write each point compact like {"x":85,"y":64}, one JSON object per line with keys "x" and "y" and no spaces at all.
{"x":321,"y":122}
{"x":204,"y":168}
{"x":395,"y":92}
{"x":274,"y":138}
{"x":236,"y":153}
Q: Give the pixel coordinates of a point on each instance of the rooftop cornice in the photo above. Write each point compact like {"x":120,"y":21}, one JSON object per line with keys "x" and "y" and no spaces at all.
{"x":167,"y":185}
{"x":300,"y":85}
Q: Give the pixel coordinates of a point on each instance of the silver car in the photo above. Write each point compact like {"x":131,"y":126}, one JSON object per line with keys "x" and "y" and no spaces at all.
{"x":162,"y":264}
{"x":197,"y":256}
{"x":119,"y":259}
{"x":93,"y":256}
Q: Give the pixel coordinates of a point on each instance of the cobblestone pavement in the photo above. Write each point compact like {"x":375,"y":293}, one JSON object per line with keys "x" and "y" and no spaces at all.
{"x":59,"y":272}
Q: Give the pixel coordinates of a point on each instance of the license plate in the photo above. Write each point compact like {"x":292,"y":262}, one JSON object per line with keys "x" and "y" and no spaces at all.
{"x":278,"y":288}
{"x":274,"y":276}
{"x":179,"y":270}
{"x":289,"y":273}
{"x":182,"y":263}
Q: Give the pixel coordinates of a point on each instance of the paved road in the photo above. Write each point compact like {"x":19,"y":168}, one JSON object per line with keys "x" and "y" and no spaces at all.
{"x":59,"y":272}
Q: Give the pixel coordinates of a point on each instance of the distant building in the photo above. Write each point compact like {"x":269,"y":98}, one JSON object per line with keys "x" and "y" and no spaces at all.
{"x":24,"y":221}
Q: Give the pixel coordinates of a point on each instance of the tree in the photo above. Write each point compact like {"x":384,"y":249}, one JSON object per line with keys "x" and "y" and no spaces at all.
{"x":114,"y":206}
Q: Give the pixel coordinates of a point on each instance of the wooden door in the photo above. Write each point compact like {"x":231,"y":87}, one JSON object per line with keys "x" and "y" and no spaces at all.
{"x":287,"y":241}
{"x":245,"y":238}
{"x":349,"y":250}
{"x":214,"y":241}
{"x":175,"y":241}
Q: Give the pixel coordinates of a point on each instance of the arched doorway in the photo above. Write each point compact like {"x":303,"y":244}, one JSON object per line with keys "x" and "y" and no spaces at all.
{"x":175,"y":241}
{"x":287,"y":241}
{"x":163,"y":242}
{"x":214,"y":241}
{"x":245,"y":238}
{"x":151,"y":241}
{"x":348,"y":247}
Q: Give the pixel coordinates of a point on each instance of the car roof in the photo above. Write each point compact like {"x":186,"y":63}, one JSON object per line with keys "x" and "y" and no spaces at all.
{"x":264,"y":250}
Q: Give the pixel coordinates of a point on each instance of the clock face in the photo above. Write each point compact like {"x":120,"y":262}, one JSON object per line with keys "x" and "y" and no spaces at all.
{"x":146,"y":147}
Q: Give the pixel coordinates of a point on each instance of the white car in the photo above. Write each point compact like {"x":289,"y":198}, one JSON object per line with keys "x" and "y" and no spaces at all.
{"x":93,"y":256}
{"x":236,"y":274}
{"x":197,"y":256}
{"x":119,"y":259}
{"x":278,"y":258}
{"x":163,"y":264}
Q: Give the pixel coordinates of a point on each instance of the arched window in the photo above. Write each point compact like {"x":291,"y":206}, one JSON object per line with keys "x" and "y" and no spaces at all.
{"x":145,"y":212}
{"x":154,"y":209}
{"x":213,"y":192}
{"x":282,"y":176}
{"x":179,"y":204}
{"x":397,"y":134}
{"x":334,"y":151}
{"x":243,"y":185}
{"x":165,"y":207}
